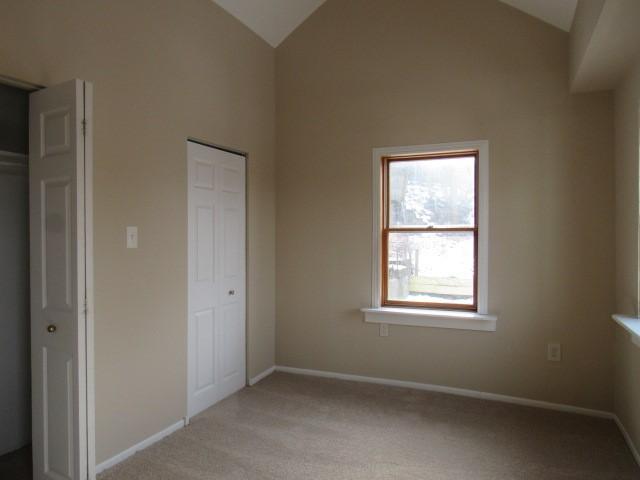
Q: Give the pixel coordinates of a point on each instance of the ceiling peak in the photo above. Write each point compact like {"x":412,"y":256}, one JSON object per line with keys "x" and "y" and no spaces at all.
{"x":558,"y":13}
{"x":273,"y":20}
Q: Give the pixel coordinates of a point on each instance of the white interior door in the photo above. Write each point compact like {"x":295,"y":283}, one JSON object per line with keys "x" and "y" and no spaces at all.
{"x":58,"y":323}
{"x":217,"y":288}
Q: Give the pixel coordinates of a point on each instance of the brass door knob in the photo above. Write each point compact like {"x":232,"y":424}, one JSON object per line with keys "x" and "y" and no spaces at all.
{"x":51,"y":328}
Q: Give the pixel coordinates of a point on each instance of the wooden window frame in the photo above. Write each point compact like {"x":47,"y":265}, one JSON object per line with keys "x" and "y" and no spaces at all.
{"x":386,"y":229}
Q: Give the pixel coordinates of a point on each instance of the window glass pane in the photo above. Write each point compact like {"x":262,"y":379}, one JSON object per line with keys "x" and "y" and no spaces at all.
{"x":436,"y":192}
{"x":431,"y":267}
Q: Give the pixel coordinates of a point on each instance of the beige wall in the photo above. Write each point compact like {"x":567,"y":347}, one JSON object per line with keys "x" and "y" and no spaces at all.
{"x":162,"y":71}
{"x":369,"y":73}
{"x":605,"y":40}
{"x":627,"y":148}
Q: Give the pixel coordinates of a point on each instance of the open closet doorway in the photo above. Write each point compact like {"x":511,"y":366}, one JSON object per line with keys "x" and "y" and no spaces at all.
{"x":49,"y":273}
{"x":15,"y":356}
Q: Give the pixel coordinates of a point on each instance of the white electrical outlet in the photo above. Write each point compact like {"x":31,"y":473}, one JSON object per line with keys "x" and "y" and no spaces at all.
{"x":554,"y":352}
{"x":384,"y":330}
{"x":132,"y":237}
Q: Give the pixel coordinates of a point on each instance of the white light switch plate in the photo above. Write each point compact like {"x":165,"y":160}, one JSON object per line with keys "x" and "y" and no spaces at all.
{"x":132,"y":237}
{"x":554,"y":352}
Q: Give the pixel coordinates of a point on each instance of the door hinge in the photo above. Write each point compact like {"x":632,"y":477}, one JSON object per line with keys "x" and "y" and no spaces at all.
{"x":84,"y":127}
{"x":85,"y":305}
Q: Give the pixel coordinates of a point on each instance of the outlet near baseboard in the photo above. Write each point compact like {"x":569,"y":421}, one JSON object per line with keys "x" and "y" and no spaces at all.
{"x":384,"y":330}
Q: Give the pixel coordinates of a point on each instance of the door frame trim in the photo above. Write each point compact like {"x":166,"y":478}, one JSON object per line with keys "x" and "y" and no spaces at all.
{"x":89,"y":344}
{"x":205,"y":143}
{"x":21,"y":84}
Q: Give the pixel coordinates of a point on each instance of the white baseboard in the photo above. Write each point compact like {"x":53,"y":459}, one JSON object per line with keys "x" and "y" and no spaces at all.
{"x":627,"y":437}
{"x":147,"y":442}
{"x":260,"y":376}
{"x":450,"y":390}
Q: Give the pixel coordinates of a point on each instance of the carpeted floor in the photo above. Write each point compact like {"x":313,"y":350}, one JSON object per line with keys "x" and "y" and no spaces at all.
{"x":16,"y":465}
{"x":296,"y":427}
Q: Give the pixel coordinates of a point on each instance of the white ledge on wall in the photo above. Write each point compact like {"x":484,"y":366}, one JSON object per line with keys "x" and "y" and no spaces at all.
{"x":431,"y":318}
{"x":631,"y":325}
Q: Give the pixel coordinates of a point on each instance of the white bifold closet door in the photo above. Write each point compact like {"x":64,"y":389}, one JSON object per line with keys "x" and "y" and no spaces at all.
{"x":217,"y":289}
{"x":57,"y":155}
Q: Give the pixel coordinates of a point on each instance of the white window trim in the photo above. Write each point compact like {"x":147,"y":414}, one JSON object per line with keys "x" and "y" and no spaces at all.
{"x":458,"y":319}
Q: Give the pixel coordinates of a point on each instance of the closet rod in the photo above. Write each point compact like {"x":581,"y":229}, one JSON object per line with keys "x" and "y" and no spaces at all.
{"x":12,"y":165}
{"x":6,"y":153}
{"x":12,"y":160}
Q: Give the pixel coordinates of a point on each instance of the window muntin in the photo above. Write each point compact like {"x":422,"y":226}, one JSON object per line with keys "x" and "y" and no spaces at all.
{"x":430,"y":230}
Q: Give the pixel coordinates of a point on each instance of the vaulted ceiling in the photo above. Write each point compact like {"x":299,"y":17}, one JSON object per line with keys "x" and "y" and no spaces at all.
{"x":558,"y":13}
{"x":274,"y":20}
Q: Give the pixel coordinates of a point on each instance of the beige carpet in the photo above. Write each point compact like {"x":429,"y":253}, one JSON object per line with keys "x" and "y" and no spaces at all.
{"x":296,"y":427}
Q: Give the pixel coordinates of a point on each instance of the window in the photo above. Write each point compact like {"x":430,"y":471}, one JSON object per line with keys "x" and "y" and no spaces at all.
{"x":429,"y":236}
